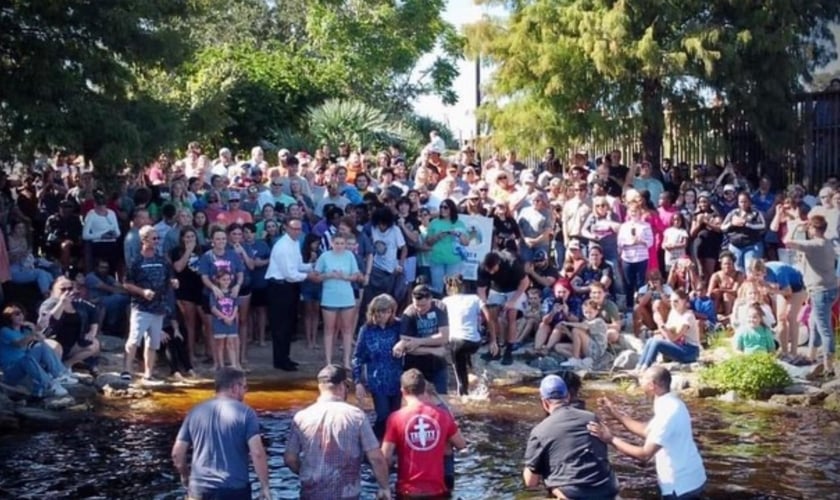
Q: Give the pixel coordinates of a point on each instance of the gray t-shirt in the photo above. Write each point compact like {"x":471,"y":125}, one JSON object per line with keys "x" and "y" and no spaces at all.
{"x":219,"y":431}
{"x":818,"y":262}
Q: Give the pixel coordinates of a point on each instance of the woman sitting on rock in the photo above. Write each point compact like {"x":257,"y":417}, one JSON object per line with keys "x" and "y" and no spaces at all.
{"x":678,"y":340}
{"x":24,"y":352}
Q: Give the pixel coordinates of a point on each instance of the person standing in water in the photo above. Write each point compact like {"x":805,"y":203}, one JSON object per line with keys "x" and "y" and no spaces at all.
{"x":668,"y":438}
{"x":222,"y":433}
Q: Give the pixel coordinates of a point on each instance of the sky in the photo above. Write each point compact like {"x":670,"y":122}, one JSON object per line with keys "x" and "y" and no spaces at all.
{"x":461,"y":116}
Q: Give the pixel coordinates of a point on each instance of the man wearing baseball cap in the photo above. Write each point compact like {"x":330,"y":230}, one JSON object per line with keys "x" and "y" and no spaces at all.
{"x":562,"y":454}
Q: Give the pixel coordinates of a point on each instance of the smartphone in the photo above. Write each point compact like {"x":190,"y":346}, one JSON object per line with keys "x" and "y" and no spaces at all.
{"x":632,"y":231}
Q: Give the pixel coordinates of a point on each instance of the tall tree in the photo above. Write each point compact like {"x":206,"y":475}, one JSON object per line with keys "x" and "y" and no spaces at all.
{"x":67,"y":75}
{"x":562,"y":66}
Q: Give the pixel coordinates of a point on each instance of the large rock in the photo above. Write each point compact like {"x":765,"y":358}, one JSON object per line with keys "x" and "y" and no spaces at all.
{"x":626,"y":360}
{"x":109,"y":343}
{"x":111,"y":380}
{"x":38,"y":416}
{"x":800,"y":388}
{"x":831,"y":385}
{"x":500,"y":375}
{"x":547,"y":364}
{"x":59,"y":403}
{"x":702,"y":391}
{"x":630,"y":341}
{"x":808,"y":372}
{"x":814,"y":399}
{"x":680,"y":382}
{"x":832,"y":401}
{"x":82,"y":392}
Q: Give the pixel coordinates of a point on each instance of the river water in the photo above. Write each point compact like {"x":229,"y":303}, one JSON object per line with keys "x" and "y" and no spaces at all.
{"x":124,"y":452}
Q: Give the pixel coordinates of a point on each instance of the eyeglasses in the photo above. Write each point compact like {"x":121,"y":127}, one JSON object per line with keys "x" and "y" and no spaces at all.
{"x":233,"y":201}
{"x":294,"y":228}
{"x":580,"y":190}
{"x":153,"y":238}
{"x":276,"y":184}
{"x":483,"y":189}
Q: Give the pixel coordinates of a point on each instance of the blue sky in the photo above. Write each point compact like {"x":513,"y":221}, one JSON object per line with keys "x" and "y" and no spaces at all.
{"x":461,"y":116}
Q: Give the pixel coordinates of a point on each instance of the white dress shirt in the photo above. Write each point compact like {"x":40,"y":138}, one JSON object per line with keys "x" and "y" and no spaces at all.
{"x":286,"y":262}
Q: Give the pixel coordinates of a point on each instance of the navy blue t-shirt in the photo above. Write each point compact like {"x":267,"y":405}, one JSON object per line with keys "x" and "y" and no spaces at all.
{"x":152,"y":273}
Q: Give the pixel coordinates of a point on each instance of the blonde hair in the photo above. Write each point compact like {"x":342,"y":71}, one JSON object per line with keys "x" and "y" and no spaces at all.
{"x":383,"y":302}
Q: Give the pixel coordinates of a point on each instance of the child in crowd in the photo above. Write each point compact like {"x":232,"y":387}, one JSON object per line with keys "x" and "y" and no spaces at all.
{"x":675,"y":241}
{"x":754,"y":336}
{"x":310,"y":292}
{"x":225,"y":322}
{"x":749,"y":296}
{"x":589,"y":339}
{"x":530,"y":320}
{"x":551,"y":329}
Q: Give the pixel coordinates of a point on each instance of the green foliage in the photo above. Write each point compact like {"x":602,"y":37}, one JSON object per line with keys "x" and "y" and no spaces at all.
{"x":562,"y":67}
{"x":354,"y":122}
{"x":752,"y":376}
{"x":67,"y":76}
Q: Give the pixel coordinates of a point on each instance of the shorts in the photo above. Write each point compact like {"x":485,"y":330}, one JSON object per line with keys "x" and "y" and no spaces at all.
{"x":495,"y":298}
{"x":145,"y":325}
{"x":259,"y":297}
{"x":336,"y":308}
{"x":222,"y":335}
{"x":244,"y":291}
{"x":310,"y":292}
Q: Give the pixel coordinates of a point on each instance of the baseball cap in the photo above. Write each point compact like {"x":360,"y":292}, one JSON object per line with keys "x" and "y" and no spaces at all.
{"x":332,"y":374}
{"x":574,"y":245}
{"x":473,"y":194}
{"x":729,"y":187}
{"x":234,"y":196}
{"x":552,"y":387}
{"x":540,"y":255}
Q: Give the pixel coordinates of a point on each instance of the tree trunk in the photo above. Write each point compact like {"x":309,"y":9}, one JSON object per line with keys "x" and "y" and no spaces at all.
{"x":653,"y":120}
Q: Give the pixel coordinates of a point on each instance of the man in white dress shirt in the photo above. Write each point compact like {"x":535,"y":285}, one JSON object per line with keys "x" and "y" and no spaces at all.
{"x":285,"y":272}
{"x":668,"y":438}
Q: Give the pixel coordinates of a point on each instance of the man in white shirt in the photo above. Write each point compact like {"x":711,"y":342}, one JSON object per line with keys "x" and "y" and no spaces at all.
{"x":285,"y":272}
{"x":668,"y":437}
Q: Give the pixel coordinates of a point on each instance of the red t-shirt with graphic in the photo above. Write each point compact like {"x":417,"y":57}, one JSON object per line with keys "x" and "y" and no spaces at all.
{"x":420,"y":433}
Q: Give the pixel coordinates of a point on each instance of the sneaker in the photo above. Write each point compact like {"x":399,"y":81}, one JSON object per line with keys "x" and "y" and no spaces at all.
{"x":67,"y":378}
{"x":125,"y":376}
{"x":152,"y":381}
{"x":57,"y":390}
{"x":507,"y":357}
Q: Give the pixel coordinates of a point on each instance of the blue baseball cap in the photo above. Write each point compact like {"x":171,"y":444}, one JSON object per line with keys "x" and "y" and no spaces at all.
{"x":553,"y":387}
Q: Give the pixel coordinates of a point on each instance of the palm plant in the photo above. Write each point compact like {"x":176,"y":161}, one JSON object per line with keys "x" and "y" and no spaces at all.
{"x":353,"y":122}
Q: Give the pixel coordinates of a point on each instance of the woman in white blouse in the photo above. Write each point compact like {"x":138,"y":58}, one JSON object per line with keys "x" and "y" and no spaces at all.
{"x":635,"y":237}
{"x":100,"y":233}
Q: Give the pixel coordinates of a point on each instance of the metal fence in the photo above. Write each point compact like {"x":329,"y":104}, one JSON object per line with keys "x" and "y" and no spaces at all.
{"x":718,"y":135}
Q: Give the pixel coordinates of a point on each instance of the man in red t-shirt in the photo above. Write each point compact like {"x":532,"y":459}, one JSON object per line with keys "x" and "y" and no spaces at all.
{"x":420,"y":434}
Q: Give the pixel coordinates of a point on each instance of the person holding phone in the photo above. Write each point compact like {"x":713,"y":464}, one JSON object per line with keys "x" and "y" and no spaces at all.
{"x":73,"y":322}
{"x":635,"y":237}
{"x":100,"y":232}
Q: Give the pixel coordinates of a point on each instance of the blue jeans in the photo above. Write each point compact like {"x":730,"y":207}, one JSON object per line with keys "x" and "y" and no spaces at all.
{"x":819,"y":323}
{"x":41,"y":365}
{"x":634,"y":279}
{"x":685,"y":353}
{"x":559,"y":253}
{"x":441,"y":271}
{"x":20,"y":274}
{"x":745,"y":255}
{"x":384,"y":405}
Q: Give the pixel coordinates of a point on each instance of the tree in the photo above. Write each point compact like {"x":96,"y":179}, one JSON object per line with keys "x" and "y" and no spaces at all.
{"x":67,"y":75}
{"x":564,"y":66}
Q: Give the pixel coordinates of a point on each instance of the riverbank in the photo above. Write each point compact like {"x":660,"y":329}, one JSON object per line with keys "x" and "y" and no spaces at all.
{"x":91,"y":395}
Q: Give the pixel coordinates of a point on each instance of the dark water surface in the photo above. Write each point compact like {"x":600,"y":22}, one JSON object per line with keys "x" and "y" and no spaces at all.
{"x":748,"y":452}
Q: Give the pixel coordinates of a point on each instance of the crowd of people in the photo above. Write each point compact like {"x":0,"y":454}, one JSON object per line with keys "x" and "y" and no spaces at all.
{"x":209,"y":256}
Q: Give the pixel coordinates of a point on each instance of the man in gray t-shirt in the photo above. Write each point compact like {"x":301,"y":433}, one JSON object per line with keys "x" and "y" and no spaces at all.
{"x":222,"y":433}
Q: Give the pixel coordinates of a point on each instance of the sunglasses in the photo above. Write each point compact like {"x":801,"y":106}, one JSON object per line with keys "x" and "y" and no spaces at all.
{"x":66,"y":289}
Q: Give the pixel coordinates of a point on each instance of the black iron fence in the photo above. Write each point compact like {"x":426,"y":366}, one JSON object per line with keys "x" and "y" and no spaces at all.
{"x":718,"y":135}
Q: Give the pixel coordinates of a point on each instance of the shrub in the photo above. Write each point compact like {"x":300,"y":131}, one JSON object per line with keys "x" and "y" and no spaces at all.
{"x":752,"y":376}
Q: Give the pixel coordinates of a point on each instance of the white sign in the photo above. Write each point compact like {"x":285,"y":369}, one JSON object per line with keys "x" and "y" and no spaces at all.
{"x":480,"y":231}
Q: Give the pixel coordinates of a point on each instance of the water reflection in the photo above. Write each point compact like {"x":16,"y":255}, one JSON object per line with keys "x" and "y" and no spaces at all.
{"x":749,"y":452}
